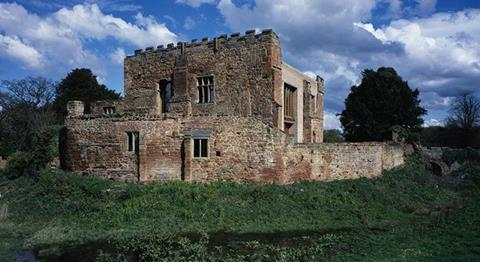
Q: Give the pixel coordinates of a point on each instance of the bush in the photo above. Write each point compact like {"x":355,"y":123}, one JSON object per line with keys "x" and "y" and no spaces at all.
{"x":30,"y":163}
{"x":17,"y":165}
{"x":461,"y":156}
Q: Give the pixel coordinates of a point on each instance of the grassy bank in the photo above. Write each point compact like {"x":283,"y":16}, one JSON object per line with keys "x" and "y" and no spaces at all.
{"x":408,"y":214}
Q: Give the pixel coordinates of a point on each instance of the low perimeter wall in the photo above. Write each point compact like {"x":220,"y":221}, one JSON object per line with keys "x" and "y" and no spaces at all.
{"x":340,"y":160}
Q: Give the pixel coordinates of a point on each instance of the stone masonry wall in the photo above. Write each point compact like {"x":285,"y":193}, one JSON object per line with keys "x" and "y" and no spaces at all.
{"x":334,"y":161}
{"x":241,"y":149}
{"x":98,"y":145}
{"x":242,"y":67}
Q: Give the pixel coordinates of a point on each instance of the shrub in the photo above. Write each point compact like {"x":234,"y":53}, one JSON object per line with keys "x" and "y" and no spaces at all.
{"x":30,"y":163}
{"x":461,"y":156}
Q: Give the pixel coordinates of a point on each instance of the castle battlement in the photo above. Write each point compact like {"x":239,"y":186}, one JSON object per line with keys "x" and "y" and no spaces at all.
{"x":221,"y":109}
{"x":250,"y":36}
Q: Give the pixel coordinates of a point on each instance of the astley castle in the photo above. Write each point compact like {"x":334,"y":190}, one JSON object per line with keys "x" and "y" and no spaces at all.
{"x":222,"y":109}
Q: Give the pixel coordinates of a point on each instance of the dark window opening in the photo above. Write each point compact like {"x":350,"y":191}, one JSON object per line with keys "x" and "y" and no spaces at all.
{"x":108,"y":110}
{"x":200,"y":147}
{"x":313,"y":104}
{"x":289,"y":101}
{"x":166,"y":92}
{"x":133,"y":141}
{"x":287,"y":127}
{"x":205,"y":89}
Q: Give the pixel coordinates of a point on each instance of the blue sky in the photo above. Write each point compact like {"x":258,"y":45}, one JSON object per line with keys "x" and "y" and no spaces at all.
{"x":433,"y":44}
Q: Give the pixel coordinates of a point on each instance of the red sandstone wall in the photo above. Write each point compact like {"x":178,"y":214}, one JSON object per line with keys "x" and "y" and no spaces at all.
{"x":242,"y":67}
{"x":240,"y":149}
{"x":98,"y":146}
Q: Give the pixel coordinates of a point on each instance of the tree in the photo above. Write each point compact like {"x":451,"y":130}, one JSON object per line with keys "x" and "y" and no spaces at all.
{"x":381,"y":101}
{"x":25,"y":111}
{"x":465,"y":112}
{"x":333,"y":136}
{"x":464,"y":115}
{"x":81,"y":84}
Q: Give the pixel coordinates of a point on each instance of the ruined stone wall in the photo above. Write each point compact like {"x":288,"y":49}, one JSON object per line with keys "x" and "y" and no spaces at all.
{"x":97,"y":145}
{"x":97,"y":107}
{"x":331,"y":161}
{"x":242,"y":67}
{"x":240,"y":149}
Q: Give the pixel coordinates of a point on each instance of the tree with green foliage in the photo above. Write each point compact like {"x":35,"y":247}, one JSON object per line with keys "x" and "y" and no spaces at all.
{"x":81,"y":84}
{"x":381,"y":101}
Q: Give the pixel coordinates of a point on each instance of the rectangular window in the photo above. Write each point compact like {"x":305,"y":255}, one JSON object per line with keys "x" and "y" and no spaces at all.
{"x":108,"y":110}
{"x":200,"y":147}
{"x":289,"y":101}
{"x":205,"y":90}
{"x":133,"y":141}
{"x":313,"y":104}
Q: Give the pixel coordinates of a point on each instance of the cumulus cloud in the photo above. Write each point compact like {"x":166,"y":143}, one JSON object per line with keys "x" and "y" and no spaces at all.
{"x":442,"y":52}
{"x":57,"y":42}
{"x":15,"y":49}
{"x":118,"y":56}
{"x":195,"y":3}
{"x":331,"y":121}
{"x":438,"y":54}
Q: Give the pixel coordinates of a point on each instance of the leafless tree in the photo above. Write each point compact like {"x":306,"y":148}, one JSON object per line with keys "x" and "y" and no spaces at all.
{"x":465,"y":112}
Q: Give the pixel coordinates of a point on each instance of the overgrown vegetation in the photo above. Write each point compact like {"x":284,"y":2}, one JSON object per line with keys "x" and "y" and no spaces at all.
{"x":31,"y":107}
{"x":408,"y":214}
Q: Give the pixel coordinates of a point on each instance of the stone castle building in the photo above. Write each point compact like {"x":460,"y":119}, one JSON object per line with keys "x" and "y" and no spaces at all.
{"x":221,"y":109}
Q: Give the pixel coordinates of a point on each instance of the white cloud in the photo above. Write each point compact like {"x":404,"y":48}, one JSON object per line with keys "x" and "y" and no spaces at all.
{"x":60,"y":38}
{"x":118,"y":56}
{"x":432,"y":122}
{"x":15,"y":49}
{"x":195,"y":3}
{"x":89,"y":21}
{"x":439,"y":54}
{"x":189,"y":23}
{"x":331,"y":121}
{"x":442,"y":52}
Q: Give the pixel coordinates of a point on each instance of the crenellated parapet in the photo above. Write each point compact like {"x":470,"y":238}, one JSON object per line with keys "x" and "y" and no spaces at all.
{"x":250,"y":36}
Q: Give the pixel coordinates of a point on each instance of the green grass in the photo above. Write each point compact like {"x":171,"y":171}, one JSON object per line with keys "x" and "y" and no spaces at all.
{"x":408,"y":214}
